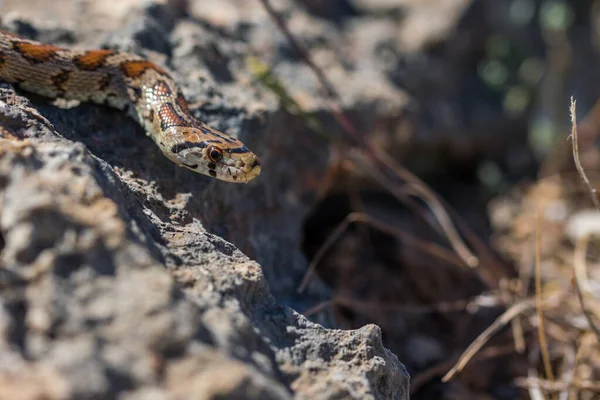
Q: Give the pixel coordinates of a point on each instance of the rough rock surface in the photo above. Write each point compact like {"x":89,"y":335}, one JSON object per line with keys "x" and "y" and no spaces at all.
{"x":114,"y":278}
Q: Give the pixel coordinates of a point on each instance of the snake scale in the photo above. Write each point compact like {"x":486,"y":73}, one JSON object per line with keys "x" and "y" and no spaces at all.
{"x":128,"y":82}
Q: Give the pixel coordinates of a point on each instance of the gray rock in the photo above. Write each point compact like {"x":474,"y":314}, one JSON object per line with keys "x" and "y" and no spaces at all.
{"x":115,"y":281}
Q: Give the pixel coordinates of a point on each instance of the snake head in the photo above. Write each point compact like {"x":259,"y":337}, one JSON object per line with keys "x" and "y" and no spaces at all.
{"x":226,"y":159}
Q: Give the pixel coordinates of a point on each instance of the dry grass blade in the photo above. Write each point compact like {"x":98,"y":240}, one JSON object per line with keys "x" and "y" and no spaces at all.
{"x":498,"y":324}
{"x":478,"y":343}
{"x":538,"y":300}
{"x":331,"y":92}
{"x":422,"y":191}
{"x":319,"y":307}
{"x":446,"y":224}
{"x":593,"y":192}
{"x":417,"y":381}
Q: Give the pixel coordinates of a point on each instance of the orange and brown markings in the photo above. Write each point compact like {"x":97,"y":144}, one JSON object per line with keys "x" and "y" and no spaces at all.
{"x":161,"y":89}
{"x":36,"y":53}
{"x":93,"y":59}
{"x":136,"y":68}
{"x":182,"y":103}
{"x":169,"y":117}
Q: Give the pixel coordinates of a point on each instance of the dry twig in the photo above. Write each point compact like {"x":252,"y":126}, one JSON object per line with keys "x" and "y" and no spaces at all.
{"x":591,"y":189}
{"x":498,"y":324}
{"x":538,"y":300}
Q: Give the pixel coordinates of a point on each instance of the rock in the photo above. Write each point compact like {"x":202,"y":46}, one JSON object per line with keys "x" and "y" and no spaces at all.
{"x":114,"y":278}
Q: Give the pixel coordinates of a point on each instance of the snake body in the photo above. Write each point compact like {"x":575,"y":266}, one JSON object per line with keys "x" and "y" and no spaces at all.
{"x":128,"y":82}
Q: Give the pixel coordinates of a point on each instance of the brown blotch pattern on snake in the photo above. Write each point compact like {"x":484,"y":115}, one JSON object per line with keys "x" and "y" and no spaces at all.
{"x":136,"y":68}
{"x":93,"y":59}
{"x":36,"y":53}
{"x":170,"y":118}
{"x":161,"y":89}
{"x":183,"y":103}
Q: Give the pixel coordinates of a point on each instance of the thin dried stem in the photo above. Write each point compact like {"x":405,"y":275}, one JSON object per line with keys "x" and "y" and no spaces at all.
{"x":478,"y":343}
{"x":419,"y":189}
{"x":419,"y":380}
{"x":331,"y":92}
{"x":591,"y":189}
{"x":538,"y":300}
{"x":319,"y":307}
{"x":498,"y":324}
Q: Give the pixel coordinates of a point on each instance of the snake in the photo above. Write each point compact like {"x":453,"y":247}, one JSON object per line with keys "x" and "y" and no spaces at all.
{"x":130,"y":83}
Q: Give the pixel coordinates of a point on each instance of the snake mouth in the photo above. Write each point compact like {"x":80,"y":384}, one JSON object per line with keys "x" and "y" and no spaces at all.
{"x":254,"y":171}
{"x":247,"y":168}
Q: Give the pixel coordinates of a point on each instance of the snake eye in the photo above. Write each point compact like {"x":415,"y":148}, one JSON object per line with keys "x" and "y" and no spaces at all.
{"x":215,"y":154}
